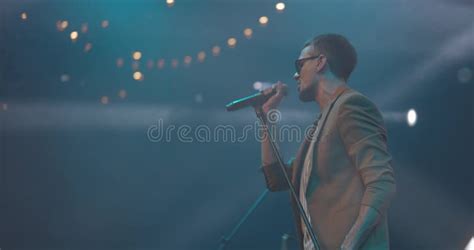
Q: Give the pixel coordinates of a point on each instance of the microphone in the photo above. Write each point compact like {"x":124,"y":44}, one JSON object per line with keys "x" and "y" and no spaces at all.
{"x":252,"y":100}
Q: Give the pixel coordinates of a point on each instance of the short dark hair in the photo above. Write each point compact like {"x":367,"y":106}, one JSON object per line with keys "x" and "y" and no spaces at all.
{"x":340,"y":54}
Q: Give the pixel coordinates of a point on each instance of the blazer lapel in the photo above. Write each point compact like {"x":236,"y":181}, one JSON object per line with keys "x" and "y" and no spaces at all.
{"x":316,"y":129}
{"x":300,"y":155}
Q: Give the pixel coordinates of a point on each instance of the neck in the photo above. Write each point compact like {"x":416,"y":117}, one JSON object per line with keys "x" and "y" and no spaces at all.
{"x":327,"y":89}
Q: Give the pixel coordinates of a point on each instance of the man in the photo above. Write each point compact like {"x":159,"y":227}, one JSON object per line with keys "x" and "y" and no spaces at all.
{"x":342,"y":173}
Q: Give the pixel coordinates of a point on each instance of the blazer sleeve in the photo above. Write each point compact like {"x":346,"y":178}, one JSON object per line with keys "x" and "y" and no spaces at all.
{"x":274,"y":176}
{"x":361,"y":128}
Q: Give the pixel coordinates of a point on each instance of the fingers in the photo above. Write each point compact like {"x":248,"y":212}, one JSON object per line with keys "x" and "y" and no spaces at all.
{"x":282,"y":89}
{"x":272,"y":103}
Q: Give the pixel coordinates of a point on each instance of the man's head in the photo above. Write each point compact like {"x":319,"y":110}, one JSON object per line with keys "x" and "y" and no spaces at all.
{"x":328,"y":55}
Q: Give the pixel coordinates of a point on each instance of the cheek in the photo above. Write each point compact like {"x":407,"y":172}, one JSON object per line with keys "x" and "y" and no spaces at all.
{"x":306,"y":76}
{"x":305,"y":81}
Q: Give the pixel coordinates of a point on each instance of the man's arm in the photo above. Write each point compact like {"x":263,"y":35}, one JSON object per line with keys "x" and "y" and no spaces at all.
{"x":361,"y":128}
{"x":273,"y":175}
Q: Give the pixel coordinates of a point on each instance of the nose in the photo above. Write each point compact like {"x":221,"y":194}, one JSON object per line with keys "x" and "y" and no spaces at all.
{"x":296,"y":76}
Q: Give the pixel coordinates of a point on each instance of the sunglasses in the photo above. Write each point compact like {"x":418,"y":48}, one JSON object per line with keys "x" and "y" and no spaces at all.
{"x":300,"y":62}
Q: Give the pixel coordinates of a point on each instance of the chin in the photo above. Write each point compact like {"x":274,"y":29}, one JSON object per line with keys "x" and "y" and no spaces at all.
{"x":305,"y":96}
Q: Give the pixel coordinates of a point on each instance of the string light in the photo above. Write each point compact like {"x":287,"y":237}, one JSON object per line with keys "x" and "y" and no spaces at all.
{"x":62,"y":25}
{"x":248,"y":33}
{"x":231,"y":42}
{"x":161,"y":63}
{"x":74,"y":35}
{"x":104,"y":100}
{"x":174,"y":63}
{"x":105,"y":24}
{"x":216,"y":50}
{"x":138,"y":76}
{"x":280,"y":7}
{"x":149,"y":64}
{"x":122,"y":94}
{"x":201,"y":56}
{"x":187,"y":60}
{"x":24,"y":16}
{"x":84,"y":28}
{"x":119,"y":62}
{"x":87,"y":47}
{"x":137,"y":55}
{"x":263,"y":20}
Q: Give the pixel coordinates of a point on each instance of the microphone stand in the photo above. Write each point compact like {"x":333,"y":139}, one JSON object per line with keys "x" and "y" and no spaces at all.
{"x":226,"y":239}
{"x":263,"y":120}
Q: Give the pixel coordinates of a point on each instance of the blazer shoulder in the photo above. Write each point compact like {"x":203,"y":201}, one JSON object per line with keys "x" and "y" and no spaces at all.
{"x":354,"y":97}
{"x":354,"y":101}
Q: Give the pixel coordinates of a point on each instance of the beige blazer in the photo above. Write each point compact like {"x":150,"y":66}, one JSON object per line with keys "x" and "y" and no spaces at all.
{"x":352,"y":166}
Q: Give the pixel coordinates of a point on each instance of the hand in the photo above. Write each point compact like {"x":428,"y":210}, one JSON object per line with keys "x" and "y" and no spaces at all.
{"x":274,"y":101}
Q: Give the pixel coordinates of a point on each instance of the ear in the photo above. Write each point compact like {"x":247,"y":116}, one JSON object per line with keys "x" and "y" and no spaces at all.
{"x":321,"y":63}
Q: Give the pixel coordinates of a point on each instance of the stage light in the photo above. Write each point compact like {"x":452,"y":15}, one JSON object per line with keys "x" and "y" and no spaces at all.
{"x":161,"y":63}
{"x":216,"y":50}
{"x":119,"y":62}
{"x":87,"y":47}
{"x":280,"y":7}
{"x":231,"y":42}
{"x":122,"y":93}
{"x":248,"y":33}
{"x":138,"y":76}
{"x":105,"y":24}
{"x":5,"y":107}
{"x":201,"y":56}
{"x":104,"y":100}
{"x":411,"y":117}
{"x":187,"y":60}
{"x":24,"y":16}
{"x":74,"y":35}
{"x":84,"y":28}
{"x":263,"y":20}
{"x":137,"y":55}
{"x":170,"y":3}
{"x":470,"y":245}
